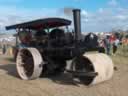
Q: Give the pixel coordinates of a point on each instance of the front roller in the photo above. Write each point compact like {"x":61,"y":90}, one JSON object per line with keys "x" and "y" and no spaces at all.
{"x":29,"y":63}
{"x":97,"y":67}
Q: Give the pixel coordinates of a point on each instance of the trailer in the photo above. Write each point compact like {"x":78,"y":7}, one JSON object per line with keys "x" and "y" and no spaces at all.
{"x":47,"y":48}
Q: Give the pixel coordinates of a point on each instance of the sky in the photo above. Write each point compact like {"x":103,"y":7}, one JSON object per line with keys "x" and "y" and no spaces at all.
{"x":96,"y":15}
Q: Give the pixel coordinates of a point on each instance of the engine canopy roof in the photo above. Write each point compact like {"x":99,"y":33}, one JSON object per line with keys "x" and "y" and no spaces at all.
{"x":41,"y":23}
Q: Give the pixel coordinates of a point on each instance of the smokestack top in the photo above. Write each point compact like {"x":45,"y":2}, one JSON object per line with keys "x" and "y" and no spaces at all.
{"x":76,"y":10}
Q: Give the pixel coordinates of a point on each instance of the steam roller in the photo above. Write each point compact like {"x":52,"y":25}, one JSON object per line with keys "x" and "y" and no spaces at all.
{"x":49,"y":52}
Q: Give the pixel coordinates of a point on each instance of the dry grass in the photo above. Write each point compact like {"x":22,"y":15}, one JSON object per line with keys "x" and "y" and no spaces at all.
{"x":123,"y":51}
{"x":121,"y":55}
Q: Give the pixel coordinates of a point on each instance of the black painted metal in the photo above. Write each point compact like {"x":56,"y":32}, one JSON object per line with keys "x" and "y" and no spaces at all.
{"x":41,"y":23}
{"x":55,"y":46}
{"x":80,"y":73}
{"x":77,"y":24}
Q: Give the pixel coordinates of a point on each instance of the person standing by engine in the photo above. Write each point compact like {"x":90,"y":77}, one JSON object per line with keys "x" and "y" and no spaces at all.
{"x":4,"y":49}
{"x":25,"y":38}
{"x":107,"y":44}
{"x":115,"y":45}
{"x":101,"y":45}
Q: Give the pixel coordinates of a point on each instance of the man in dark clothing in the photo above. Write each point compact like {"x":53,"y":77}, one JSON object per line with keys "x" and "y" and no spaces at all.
{"x":4,"y":49}
{"x":107,"y":44}
{"x":115,"y":45}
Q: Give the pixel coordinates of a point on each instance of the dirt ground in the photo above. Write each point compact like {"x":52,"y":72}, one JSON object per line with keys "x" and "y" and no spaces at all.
{"x":12,"y":85}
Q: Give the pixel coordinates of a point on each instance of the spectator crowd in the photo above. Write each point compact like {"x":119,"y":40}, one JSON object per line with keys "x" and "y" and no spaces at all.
{"x":110,"y":43}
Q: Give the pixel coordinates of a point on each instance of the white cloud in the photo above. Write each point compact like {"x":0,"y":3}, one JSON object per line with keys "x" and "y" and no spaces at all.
{"x":121,"y":17}
{"x":104,"y":19}
{"x":101,"y":10}
{"x":12,"y":15}
{"x":113,"y":3}
{"x":84,"y":13}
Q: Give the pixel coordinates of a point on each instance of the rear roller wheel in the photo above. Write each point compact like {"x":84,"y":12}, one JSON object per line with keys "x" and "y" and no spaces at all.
{"x":29,"y":63}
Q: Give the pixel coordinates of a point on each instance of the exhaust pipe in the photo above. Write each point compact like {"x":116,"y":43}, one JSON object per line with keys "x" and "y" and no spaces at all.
{"x":77,"y":24}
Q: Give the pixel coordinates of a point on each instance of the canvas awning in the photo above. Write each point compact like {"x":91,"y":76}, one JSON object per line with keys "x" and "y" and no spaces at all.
{"x":41,"y":23}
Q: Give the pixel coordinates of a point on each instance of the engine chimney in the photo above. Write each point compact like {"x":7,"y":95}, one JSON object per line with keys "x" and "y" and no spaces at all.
{"x":77,"y":24}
